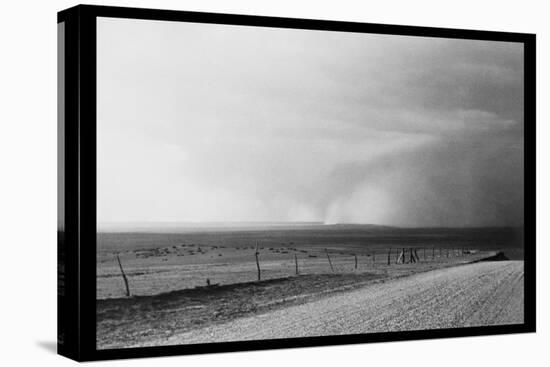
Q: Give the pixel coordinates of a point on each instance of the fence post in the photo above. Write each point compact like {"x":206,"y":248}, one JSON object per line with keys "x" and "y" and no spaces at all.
{"x":401,"y":257}
{"x":389,"y":256}
{"x":123,"y":276}
{"x":433,"y":253}
{"x":257,"y":262}
{"x":296,"y":261}
{"x":355,"y":255}
{"x":329,"y":262}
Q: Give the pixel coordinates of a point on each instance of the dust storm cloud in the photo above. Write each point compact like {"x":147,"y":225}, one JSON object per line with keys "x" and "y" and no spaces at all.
{"x":211,"y":123}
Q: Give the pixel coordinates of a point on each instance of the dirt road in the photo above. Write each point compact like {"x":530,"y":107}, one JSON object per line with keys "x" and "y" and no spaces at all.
{"x":484,"y":293}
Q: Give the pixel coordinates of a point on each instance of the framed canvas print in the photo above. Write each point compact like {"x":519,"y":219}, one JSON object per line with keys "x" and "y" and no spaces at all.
{"x":234,"y":182}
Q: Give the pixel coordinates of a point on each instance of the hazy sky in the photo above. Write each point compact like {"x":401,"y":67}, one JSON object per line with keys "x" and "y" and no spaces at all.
{"x":200,"y":122}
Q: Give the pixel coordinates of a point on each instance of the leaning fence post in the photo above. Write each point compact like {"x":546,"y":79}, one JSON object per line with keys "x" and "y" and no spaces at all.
{"x":401,"y":257}
{"x":329,"y":262}
{"x":257,"y":261}
{"x":123,"y":277}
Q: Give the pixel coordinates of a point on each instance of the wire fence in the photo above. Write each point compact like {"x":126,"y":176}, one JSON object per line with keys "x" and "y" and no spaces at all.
{"x":256,"y":263}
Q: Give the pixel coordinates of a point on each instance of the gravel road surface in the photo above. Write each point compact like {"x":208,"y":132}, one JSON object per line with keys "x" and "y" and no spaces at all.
{"x":485,"y":293}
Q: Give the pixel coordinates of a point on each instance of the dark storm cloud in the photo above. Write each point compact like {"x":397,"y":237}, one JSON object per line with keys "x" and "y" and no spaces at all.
{"x":460,"y":183}
{"x":213,"y":123}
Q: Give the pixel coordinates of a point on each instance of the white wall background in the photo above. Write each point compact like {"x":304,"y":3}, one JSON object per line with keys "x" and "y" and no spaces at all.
{"x":28,"y":182}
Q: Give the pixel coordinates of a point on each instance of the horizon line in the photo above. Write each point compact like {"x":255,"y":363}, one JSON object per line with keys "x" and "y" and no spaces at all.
{"x":213,"y":224}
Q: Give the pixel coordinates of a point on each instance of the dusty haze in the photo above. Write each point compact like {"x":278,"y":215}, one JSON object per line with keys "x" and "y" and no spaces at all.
{"x":217,"y":123}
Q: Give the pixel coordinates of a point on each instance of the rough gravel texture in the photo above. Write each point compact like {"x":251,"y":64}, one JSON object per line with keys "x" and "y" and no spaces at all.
{"x":485,"y":293}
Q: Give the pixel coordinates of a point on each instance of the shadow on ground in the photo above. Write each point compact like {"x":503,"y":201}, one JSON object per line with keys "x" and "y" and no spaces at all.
{"x":50,"y":346}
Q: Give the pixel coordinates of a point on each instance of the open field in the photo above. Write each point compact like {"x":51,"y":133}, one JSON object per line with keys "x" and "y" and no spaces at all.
{"x":163,"y":262}
{"x":171,"y":303}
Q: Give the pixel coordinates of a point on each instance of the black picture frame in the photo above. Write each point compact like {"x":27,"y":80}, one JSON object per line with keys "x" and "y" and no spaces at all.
{"x":77,"y":295}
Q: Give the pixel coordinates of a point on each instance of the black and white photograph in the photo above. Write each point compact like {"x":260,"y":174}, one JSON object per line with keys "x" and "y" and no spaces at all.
{"x":264,"y":183}
{"x":275,"y":183}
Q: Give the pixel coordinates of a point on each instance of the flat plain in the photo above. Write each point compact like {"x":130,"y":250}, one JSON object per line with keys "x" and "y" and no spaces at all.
{"x":191,"y":284}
